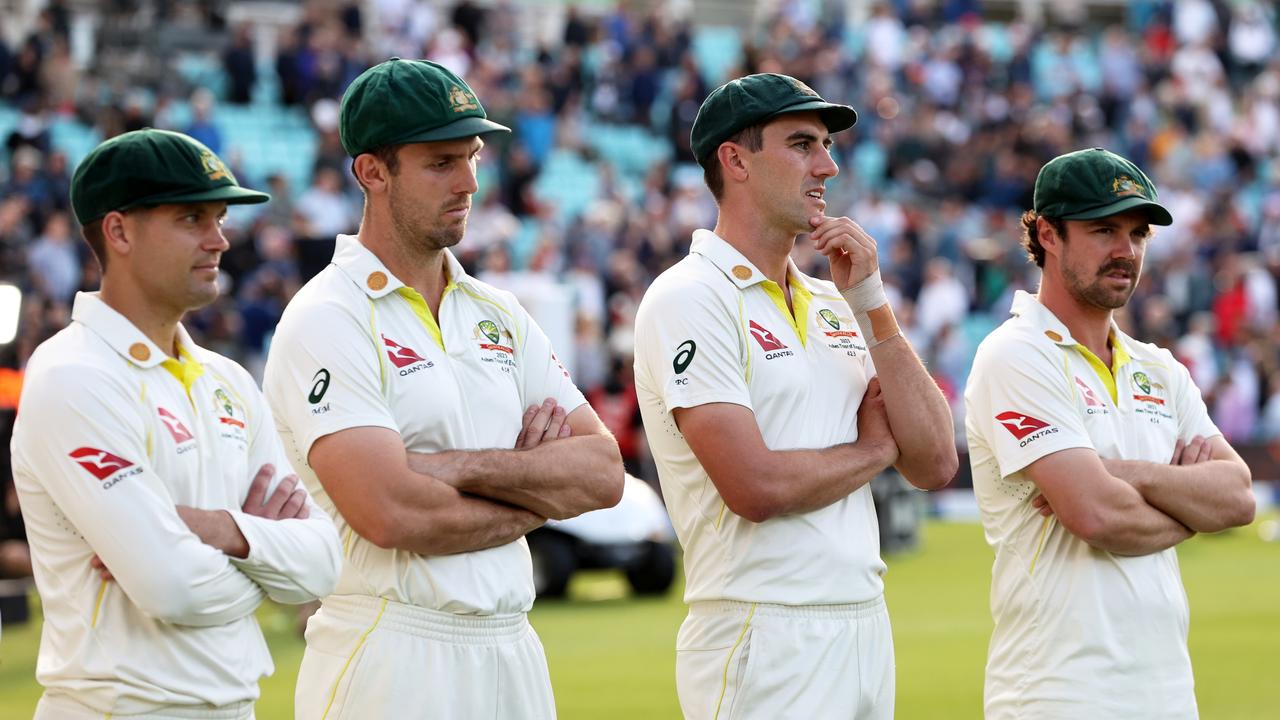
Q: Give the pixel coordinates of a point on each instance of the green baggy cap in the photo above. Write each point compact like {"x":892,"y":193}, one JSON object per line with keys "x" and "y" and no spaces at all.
{"x":152,"y":167}
{"x":1095,"y":183}
{"x":409,"y":101}
{"x":750,"y":100}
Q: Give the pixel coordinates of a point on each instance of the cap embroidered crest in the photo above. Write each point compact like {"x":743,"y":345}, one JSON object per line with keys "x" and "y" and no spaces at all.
{"x":801,"y":87}
{"x":461,"y":100}
{"x":213,"y":166}
{"x":1125,"y":185}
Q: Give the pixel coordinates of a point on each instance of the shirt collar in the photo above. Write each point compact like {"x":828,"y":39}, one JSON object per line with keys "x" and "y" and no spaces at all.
{"x":1028,"y":306}
{"x":734,"y":264}
{"x":367,"y":271}
{"x":123,"y":336}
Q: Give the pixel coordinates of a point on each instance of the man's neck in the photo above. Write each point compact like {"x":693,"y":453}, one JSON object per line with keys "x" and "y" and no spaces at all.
{"x":157,"y":322}
{"x":1090,"y":326}
{"x":425,"y":272}
{"x":766,"y":248}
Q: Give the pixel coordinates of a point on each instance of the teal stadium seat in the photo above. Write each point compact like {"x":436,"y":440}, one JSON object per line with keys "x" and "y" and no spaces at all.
{"x":716,"y":49}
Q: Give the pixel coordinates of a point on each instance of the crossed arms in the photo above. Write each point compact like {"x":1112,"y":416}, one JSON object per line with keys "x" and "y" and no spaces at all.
{"x":458,"y":501}
{"x":178,"y":564}
{"x":1131,"y":507}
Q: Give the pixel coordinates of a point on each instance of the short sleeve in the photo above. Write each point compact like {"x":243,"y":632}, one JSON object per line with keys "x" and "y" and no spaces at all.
{"x":325,"y":373}
{"x":1193,"y":416}
{"x":689,"y":346}
{"x":542,"y":375}
{"x":1019,"y":400}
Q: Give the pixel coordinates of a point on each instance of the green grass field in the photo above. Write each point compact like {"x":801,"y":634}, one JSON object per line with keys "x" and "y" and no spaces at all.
{"x":612,"y":656}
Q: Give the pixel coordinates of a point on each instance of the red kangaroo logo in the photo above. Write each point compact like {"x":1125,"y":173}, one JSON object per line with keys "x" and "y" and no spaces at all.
{"x":767,"y":340}
{"x":100,"y":463}
{"x":1090,"y":398}
{"x":401,"y":355}
{"x":1019,"y":424}
{"x":179,"y":431}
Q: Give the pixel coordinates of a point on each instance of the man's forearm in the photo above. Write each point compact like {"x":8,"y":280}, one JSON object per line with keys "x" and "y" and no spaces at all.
{"x":1206,"y":497}
{"x":918,"y":416}
{"x":1141,"y":531}
{"x":469,"y":524}
{"x":217,"y":529}
{"x":557,"y":479}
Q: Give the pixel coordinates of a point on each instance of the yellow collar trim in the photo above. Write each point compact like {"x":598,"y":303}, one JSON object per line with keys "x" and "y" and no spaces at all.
{"x":419,"y":306}
{"x":186,"y":369}
{"x":800,"y":300}
{"x":1119,"y":358}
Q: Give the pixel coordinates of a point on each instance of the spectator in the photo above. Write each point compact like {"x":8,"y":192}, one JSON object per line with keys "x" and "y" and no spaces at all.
{"x":54,"y":261}
{"x":239,"y":65}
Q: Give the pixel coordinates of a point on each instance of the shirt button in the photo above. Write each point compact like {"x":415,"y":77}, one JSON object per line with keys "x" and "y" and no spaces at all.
{"x":377,"y":280}
{"x":139,"y":352}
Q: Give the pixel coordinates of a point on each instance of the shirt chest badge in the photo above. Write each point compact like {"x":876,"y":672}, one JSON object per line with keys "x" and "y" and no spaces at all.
{"x":406,"y":359}
{"x":1093,"y":403}
{"x":772,"y":346}
{"x":230,"y":414}
{"x":495,"y":343}
{"x":182,"y":437}
{"x":839,"y":332}
{"x":1149,"y":397}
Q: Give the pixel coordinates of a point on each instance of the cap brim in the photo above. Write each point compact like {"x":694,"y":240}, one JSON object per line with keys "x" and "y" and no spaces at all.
{"x":835,"y":117}
{"x":1157,"y":213}
{"x":466,"y":127}
{"x":230,"y":194}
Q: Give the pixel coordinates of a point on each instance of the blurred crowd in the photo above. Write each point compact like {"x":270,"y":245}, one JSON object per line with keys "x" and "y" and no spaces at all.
{"x":957,"y":114}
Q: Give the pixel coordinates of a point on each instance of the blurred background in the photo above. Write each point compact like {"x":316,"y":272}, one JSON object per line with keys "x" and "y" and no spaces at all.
{"x":596,"y":192}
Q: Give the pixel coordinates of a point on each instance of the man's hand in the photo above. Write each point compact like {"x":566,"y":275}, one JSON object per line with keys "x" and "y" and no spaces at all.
{"x":849,"y":249}
{"x":873,"y":423}
{"x":1197,"y":451}
{"x":288,"y":502}
{"x":542,"y":423}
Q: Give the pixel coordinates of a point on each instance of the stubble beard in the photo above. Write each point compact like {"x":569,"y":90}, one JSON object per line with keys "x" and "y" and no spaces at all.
{"x":1095,"y":293}
{"x":418,"y":231}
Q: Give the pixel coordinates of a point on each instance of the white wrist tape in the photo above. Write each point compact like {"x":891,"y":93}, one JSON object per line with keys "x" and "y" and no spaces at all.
{"x":866,"y":295}
{"x":871,"y":310}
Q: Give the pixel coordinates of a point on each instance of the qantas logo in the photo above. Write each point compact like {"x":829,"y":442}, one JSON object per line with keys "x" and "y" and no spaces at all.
{"x":767,"y":340}
{"x":100,"y":463}
{"x":1020,"y":425}
{"x":179,"y":431}
{"x":400,"y":355}
{"x":1090,"y":398}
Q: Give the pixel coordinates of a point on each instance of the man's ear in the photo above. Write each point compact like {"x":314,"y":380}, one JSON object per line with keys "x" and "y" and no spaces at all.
{"x":371,"y":172}
{"x":1048,"y":236}
{"x":732,"y":162}
{"x":115,"y":232}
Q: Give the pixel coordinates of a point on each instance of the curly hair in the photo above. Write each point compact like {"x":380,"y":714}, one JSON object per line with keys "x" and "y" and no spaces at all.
{"x":1031,"y":237}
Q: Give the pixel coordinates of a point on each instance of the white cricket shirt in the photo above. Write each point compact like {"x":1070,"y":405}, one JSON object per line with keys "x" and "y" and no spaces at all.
{"x":356,"y":347}
{"x":1076,"y":628}
{"x":713,"y":329}
{"x":111,"y":435}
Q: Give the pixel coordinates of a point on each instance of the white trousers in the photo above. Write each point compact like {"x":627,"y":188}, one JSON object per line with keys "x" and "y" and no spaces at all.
{"x":759,"y":661}
{"x":59,"y":706}
{"x":372,"y":659}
